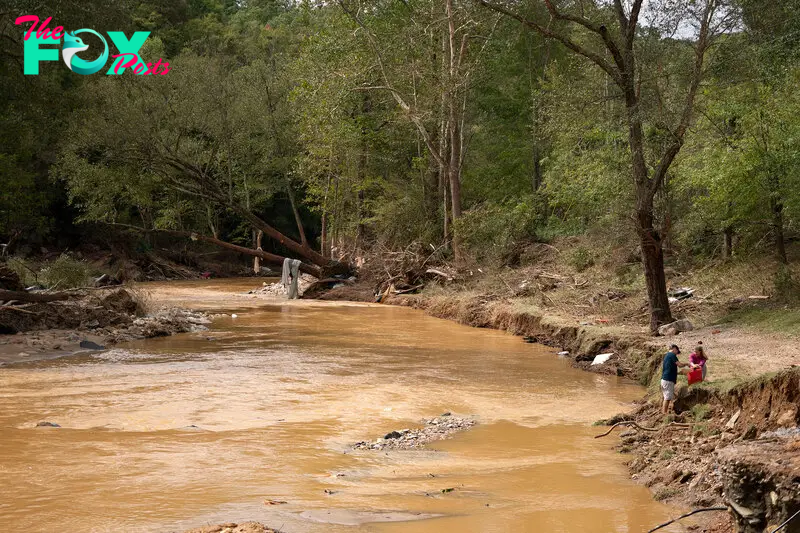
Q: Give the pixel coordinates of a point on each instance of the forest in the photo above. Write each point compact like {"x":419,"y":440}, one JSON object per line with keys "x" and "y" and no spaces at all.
{"x":665,"y":131}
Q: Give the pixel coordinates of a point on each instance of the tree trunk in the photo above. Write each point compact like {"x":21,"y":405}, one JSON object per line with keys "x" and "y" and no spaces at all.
{"x":274,"y":259}
{"x":727,"y":242}
{"x":300,"y":229}
{"x":650,"y":240}
{"x":323,"y":237}
{"x":777,"y":228}
{"x":653,"y":263}
{"x":21,"y":296}
{"x":454,"y":123}
{"x":257,"y":259}
{"x":303,"y":251}
{"x":537,"y":167}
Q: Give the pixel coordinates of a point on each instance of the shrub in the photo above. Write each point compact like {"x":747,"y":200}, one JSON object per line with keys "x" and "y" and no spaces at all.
{"x":65,"y":272}
{"x":666,"y":454}
{"x":27,"y":274}
{"x":581,"y":259}
{"x":700,"y":411}
{"x":787,"y":289}
{"x":490,"y":231}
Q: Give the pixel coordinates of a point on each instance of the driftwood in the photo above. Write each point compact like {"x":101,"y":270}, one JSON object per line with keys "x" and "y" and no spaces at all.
{"x":436,"y":272}
{"x":411,"y":289}
{"x":634,"y":424}
{"x":681,"y":517}
{"x":18,"y":309}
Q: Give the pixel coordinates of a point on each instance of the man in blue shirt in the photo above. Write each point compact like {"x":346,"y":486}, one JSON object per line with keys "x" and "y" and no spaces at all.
{"x":669,"y":377}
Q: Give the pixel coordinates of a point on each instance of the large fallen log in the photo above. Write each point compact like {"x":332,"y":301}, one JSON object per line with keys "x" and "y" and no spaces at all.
{"x":22,"y":296}
{"x":265,"y":256}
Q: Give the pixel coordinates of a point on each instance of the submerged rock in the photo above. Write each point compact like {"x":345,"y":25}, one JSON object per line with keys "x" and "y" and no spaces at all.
{"x":47,"y":425}
{"x":89,"y":345}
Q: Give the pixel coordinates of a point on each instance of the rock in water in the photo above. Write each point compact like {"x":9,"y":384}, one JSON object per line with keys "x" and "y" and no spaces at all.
{"x":89,"y":345}
{"x":47,"y":425}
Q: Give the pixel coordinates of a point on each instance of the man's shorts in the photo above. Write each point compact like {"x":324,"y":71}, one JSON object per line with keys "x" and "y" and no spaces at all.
{"x":668,"y":389}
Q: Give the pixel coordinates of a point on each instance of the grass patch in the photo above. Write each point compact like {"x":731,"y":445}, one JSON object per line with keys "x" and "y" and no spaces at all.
{"x":702,"y":430}
{"x":666,"y":454}
{"x":700,"y":411}
{"x":771,"y":320}
{"x":666,"y":493}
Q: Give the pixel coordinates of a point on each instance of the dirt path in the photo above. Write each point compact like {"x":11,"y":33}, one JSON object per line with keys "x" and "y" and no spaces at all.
{"x":737,"y":352}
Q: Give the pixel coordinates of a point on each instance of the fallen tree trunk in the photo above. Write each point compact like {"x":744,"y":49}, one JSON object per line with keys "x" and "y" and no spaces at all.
{"x":325,"y":264}
{"x":314,"y":270}
{"x":22,"y":296}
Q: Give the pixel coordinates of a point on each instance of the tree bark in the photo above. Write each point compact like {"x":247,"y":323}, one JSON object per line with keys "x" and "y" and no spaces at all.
{"x":257,"y":259}
{"x":727,"y":242}
{"x":653,"y":264}
{"x":777,"y":228}
{"x":300,"y":229}
{"x":303,"y":251}
{"x":454,"y":123}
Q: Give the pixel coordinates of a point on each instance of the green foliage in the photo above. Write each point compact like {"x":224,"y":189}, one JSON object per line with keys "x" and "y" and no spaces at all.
{"x":66,"y":272}
{"x":265,"y":97}
{"x":27,"y":274}
{"x":490,"y":230}
{"x":700,"y":411}
{"x":787,"y":288}
{"x":581,"y":258}
{"x":666,"y":454}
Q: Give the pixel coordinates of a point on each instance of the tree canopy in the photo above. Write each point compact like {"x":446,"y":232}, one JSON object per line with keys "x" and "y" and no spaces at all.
{"x":468,"y":126}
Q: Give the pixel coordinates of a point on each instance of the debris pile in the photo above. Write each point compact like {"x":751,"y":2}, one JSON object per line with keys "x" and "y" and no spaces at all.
{"x":244,"y":527}
{"x":438,"y":428}
{"x":278,"y":290}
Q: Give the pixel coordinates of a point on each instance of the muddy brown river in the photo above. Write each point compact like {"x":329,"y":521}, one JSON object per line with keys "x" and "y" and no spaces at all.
{"x":171,"y":433}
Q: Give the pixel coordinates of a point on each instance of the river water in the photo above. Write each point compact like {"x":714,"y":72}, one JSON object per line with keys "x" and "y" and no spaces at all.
{"x":165,"y":434}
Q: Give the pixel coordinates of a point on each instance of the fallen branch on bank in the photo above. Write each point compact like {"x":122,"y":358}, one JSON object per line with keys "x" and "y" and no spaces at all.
{"x":18,"y":309}
{"x":706,"y":509}
{"x":636,"y":425}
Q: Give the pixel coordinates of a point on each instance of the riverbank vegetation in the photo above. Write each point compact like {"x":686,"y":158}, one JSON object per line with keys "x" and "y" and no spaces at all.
{"x":663,"y":135}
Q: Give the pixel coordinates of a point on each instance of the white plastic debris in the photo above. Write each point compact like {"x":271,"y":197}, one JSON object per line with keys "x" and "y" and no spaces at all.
{"x":601,"y":358}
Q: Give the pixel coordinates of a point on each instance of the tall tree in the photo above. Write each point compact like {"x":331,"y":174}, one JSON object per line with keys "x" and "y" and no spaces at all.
{"x":607,"y":35}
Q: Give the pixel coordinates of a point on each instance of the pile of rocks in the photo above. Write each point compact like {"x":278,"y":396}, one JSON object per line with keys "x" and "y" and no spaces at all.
{"x":439,"y":428}
{"x":278,"y":290}
{"x":164,"y":322}
{"x":245,"y":527}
